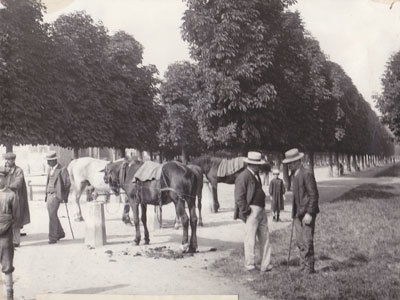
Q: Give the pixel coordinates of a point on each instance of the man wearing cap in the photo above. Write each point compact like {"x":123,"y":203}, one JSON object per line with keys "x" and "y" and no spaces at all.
{"x":250,"y":208}
{"x":8,"y":214}
{"x":305,"y":207}
{"x":276,"y":191}
{"x":57,"y":191}
{"x":16,"y":182}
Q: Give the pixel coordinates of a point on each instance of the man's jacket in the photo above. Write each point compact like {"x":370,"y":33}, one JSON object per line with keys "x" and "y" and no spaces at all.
{"x":61,"y":184}
{"x":16,"y":182}
{"x":305,"y":194}
{"x":245,"y":188}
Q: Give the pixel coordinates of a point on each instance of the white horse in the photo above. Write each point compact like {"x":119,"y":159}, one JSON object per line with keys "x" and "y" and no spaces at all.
{"x":85,"y":172}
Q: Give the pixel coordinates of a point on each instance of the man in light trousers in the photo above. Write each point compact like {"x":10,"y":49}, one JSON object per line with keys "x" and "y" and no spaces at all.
{"x":250,"y":208}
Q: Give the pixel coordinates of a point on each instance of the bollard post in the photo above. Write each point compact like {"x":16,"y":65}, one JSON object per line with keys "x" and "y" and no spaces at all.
{"x":95,"y":225}
{"x":30,"y":190}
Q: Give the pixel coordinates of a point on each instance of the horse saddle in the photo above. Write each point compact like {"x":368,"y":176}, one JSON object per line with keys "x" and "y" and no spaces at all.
{"x":150,"y":170}
{"x":230,"y":166}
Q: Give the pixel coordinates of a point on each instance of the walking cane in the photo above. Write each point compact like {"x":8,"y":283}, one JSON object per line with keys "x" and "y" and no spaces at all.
{"x":290,"y":243}
{"x":69,"y":221}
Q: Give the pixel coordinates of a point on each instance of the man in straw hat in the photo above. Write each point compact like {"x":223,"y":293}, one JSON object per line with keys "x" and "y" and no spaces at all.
{"x":305,"y":207}
{"x":57,"y":191}
{"x":8,"y":214}
{"x":276,"y":191}
{"x":250,"y":208}
{"x":16,"y":182}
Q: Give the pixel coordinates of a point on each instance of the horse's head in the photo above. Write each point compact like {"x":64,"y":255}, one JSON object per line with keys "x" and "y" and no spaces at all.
{"x":111,"y":176}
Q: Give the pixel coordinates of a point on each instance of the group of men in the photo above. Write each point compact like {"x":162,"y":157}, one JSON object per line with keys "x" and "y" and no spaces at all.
{"x":250,"y":208}
{"x":14,"y":209}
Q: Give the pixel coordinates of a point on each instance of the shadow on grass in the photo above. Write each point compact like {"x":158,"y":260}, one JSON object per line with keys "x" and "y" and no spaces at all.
{"x":373,"y":191}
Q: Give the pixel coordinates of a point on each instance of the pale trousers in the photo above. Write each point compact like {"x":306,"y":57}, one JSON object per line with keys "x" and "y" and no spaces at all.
{"x":16,"y":235}
{"x":257,"y":227}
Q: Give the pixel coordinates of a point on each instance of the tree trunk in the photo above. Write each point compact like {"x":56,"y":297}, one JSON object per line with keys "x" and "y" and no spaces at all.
{"x":122,"y":152}
{"x":337,"y":163}
{"x":184,"y":158}
{"x":348,"y":165}
{"x":140,"y":155}
{"x":330,"y":164}
{"x":311,"y":161}
{"x":161,"y":157}
{"x":9,"y":147}
{"x":286,"y":177}
{"x":76,"y":152}
{"x":363,"y":162}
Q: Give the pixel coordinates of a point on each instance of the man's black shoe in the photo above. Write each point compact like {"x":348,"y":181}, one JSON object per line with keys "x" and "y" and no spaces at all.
{"x":52,"y":242}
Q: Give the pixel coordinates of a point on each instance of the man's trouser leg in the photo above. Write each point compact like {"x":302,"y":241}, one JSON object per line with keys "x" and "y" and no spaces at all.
{"x":305,"y":243}
{"x":16,"y":235}
{"x":251,"y":228}
{"x":263,"y":237}
{"x":8,"y":283}
{"x":6,"y":260}
{"x":55,"y":229}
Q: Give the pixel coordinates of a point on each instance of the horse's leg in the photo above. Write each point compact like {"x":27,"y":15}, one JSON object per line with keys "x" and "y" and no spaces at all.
{"x":199,"y":195}
{"x":180,"y":211}
{"x":215,"y":199}
{"x":135,"y":210}
{"x":144,"y":222}
{"x":125,"y":214}
{"x":193,"y":227}
{"x":177,"y":222}
{"x":78,"y":215}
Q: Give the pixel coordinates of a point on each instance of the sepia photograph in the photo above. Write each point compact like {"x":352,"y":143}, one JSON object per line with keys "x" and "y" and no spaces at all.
{"x":199,"y":149}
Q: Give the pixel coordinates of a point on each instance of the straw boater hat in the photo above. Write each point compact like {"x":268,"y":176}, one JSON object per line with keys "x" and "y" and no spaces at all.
{"x":292,"y":155}
{"x":51,"y":155}
{"x":9,"y":155}
{"x":254,"y":158}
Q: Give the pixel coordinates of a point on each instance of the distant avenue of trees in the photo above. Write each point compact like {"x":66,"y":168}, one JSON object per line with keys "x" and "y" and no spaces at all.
{"x":258,"y":80}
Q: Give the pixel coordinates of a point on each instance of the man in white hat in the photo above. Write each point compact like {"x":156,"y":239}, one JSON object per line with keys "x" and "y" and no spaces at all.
{"x":57,"y":191}
{"x":305,"y":207}
{"x":16,"y":182}
{"x":250,"y":208}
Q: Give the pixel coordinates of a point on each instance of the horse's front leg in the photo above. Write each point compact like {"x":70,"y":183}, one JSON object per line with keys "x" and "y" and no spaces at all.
{"x":144,"y":222}
{"x":125,"y":213}
{"x":177,"y":222}
{"x":135,"y":210}
{"x":215,"y":206}
{"x":193,"y":227}
{"x":180,"y":211}
{"x":78,"y":215}
{"x":199,"y":208}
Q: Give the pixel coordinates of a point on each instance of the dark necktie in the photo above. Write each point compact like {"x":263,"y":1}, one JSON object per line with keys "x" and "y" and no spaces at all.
{"x":258,"y":178}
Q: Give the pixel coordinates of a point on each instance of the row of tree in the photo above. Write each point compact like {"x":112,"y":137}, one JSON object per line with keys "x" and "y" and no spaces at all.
{"x":258,"y":80}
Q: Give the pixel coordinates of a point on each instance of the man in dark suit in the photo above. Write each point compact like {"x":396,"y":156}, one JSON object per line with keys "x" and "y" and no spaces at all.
{"x":250,"y":208}
{"x":57,"y":191}
{"x":305,"y":207}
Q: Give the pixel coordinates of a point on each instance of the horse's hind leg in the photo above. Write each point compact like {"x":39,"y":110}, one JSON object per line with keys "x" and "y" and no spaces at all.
{"x":180,"y":211}
{"x":193,"y":227}
{"x":78,"y":194}
{"x":144,"y":222}
{"x":199,"y":208}
{"x":125,"y":213}
{"x":135,"y":210}
{"x":177,"y":222}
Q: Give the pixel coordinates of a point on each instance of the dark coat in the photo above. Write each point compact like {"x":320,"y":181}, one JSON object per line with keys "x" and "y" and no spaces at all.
{"x":245,"y":188}
{"x":305,"y":194}
{"x":16,"y":182}
{"x":276,"y":191}
{"x":62,"y":183}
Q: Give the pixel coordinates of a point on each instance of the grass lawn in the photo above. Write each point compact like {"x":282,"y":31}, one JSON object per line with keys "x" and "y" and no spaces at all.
{"x":357,"y":251}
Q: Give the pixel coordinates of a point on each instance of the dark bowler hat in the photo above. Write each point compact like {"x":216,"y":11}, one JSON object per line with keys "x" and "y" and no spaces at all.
{"x":292,"y":155}
{"x":3,"y":171}
{"x":9,"y":155}
{"x":51,"y":155}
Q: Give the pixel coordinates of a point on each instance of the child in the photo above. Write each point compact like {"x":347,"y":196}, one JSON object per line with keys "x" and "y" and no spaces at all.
{"x":8,"y":213}
{"x":276,"y":191}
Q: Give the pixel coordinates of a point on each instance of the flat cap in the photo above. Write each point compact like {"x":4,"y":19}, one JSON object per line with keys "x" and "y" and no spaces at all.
{"x":9,"y":155}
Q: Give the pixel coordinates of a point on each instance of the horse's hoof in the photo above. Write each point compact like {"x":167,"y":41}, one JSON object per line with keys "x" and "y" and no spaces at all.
{"x":146,"y":242}
{"x":201,"y":224}
{"x":176,"y":226}
{"x":184,"y":247}
{"x":79,"y":219}
{"x":136,"y":242}
{"x":192,"y":249}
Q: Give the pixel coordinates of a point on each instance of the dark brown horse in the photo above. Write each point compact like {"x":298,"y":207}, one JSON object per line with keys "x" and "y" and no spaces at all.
{"x":177,"y":184}
{"x":209,"y":165}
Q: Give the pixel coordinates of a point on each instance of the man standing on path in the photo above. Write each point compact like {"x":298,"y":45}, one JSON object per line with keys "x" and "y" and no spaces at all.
{"x":305,"y":207}
{"x":57,"y":191}
{"x":276,"y":191}
{"x":250,"y":208}
{"x":8,"y":213}
{"x":16,"y":182}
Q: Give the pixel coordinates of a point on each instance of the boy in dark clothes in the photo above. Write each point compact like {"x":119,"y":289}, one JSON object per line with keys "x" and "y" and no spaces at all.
{"x":276,"y":191}
{"x":8,"y":213}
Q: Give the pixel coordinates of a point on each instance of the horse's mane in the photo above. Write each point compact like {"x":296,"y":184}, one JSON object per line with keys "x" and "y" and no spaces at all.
{"x":206,"y":159}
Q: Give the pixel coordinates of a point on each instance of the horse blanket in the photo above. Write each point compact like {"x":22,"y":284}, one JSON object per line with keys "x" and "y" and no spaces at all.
{"x":230,"y":166}
{"x":150,"y":170}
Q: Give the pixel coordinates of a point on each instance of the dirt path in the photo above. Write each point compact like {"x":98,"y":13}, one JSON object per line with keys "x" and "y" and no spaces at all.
{"x":70,"y":267}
